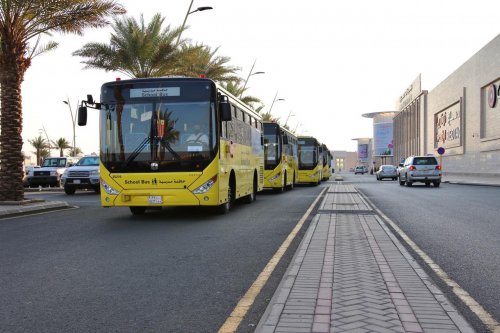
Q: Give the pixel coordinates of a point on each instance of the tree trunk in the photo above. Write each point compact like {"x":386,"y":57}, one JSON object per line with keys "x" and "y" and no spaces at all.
{"x":12,"y":71}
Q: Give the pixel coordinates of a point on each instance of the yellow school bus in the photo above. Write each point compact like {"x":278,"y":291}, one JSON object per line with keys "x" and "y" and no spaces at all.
{"x":327,"y":161}
{"x":310,"y":160}
{"x":176,"y":142}
{"x":280,"y":157}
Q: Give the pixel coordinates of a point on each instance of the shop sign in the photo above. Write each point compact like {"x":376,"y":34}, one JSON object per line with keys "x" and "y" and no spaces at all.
{"x":448,"y":124}
{"x":409,"y":94}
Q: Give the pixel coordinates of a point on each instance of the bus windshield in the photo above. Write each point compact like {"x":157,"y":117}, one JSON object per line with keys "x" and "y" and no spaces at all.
{"x":172,"y":134}
{"x":272,"y":149}
{"x":308,"y":154}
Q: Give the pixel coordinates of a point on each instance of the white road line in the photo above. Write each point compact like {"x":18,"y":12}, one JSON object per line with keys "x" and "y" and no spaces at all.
{"x":486,"y":318}
{"x":234,"y":320}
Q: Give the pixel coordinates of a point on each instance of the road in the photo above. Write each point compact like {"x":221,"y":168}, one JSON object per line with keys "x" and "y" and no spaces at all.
{"x":458,"y":226}
{"x":175,"y":270}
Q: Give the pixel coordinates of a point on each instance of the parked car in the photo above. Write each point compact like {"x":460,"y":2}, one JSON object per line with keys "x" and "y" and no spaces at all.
{"x":423,"y":169}
{"x":359,"y":169}
{"x":50,"y":172}
{"x":386,"y":171}
{"x":83,"y":175}
{"x":28,"y":172}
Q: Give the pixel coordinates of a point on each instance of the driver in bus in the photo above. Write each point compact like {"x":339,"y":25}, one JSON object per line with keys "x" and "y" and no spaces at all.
{"x":197,"y":135}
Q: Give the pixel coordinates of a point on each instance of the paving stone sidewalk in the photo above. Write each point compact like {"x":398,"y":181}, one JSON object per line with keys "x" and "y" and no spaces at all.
{"x":351,"y":274}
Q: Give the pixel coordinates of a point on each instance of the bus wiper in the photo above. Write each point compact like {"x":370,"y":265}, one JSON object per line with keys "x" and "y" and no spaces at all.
{"x":167,"y":146}
{"x":136,"y":152}
{"x":141,"y":146}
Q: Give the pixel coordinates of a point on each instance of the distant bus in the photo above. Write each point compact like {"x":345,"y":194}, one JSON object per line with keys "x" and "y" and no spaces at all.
{"x":280,"y":157}
{"x":310,"y":160}
{"x":327,"y":161}
{"x":176,"y":142}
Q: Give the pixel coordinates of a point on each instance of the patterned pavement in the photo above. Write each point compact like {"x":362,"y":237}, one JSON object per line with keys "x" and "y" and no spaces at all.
{"x":351,"y":274}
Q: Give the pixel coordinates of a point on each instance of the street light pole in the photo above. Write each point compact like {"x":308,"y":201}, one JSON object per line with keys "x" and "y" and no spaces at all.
{"x":275,"y":100}
{"x":289,"y":115}
{"x":73,"y":120}
{"x":199,"y":9}
{"x":249,"y":74}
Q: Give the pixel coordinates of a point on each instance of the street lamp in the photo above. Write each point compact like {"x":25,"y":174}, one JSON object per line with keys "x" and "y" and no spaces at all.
{"x":249,"y":74}
{"x":73,"y":120}
{"x":48,"y":140}
{"x":289,"y":115}
{"x":199,"y":9}
{"x":275,"y":100}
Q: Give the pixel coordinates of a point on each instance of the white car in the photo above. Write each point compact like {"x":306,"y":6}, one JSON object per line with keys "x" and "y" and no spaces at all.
{"x":359,"y":169}
{"x":83,"y":175}
{"x":50,"y":172}
{"x":423,"y":169}
{"x":386,"y":171}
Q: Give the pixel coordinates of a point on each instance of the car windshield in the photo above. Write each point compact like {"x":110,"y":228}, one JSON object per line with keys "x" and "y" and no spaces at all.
{"x":88,"y":161}
{"x":54,"y":162}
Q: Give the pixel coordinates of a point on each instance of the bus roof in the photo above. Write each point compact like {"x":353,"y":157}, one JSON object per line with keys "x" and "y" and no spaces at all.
{"x":187,"y":79}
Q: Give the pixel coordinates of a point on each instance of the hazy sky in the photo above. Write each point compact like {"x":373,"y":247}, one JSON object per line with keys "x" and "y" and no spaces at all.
{"x":331,"y":61}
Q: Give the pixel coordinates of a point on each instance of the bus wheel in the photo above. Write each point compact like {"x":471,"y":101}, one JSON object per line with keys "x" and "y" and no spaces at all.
{"x":225,"y":207}
{"x":252,"y":196}
{"x":290,"y":187}
{"x":137,"y":210}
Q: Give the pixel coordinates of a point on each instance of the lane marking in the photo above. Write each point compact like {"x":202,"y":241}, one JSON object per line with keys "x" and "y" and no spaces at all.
{"x":483,"y":315}
{"x":234,"y":320}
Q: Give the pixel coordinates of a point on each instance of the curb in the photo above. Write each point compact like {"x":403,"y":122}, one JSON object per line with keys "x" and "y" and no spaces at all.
{"x":19,"y":210}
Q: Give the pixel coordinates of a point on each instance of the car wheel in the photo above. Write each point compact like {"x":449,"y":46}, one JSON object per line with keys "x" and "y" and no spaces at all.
{"x":401,"y":182}
{"x":437,"y":183}
{"x":427,"y":184}
{"x":69,"y":190}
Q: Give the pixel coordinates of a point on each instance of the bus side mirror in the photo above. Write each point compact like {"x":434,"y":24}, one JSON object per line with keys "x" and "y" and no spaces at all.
{"x":82,"y":116}
{"x":285,"y":140}
{"x":225,"y":110}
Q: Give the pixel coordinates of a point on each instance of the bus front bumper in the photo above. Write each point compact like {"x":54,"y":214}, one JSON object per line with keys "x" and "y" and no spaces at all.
{"x":159,"y":198}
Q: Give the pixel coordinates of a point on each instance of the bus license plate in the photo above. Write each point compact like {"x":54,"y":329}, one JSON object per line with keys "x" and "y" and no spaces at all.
{"x":155,"y":199}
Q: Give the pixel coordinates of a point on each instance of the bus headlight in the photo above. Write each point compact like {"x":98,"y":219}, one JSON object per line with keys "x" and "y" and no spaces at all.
{"x":207,"y":186}
{"x":273,"y":178}
{"x":315,"y":174}
{"x":108,"y":188}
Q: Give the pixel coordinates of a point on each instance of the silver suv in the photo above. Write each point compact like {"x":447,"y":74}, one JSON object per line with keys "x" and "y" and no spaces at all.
{"x":83,"y":175}
{"x":423,"y":169}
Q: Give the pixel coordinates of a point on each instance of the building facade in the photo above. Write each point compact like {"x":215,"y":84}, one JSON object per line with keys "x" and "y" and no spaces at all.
{"x":461,"y":115}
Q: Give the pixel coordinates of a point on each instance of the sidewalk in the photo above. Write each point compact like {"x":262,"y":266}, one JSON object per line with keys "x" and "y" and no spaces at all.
{"x":9,"y":209}
{"x":351,"y":274}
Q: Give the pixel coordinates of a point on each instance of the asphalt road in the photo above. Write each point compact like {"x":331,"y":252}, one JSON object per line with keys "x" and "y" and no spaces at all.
{"x":174,"y":270}
{"x":458,"y":226}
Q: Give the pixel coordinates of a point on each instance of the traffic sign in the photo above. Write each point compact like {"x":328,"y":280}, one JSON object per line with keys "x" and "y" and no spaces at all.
{"x":440,"y":150}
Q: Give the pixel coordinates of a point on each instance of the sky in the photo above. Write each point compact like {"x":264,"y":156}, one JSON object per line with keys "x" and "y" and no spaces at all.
{"x":331,"y":61}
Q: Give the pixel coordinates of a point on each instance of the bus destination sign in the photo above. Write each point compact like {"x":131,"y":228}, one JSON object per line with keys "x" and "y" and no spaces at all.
{"x":155,"y":92}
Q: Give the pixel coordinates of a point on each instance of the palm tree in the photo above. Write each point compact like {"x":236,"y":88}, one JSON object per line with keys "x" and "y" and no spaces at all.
{"x":135,"y":49}
{"x":236,"y":89}
{"x":61,"y":144}
{"x":77,"y":151}
{"x":267,"y":116}
{"x":199,"y":60}
{"x":40,"y":145}
{"x":23,"y":21}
